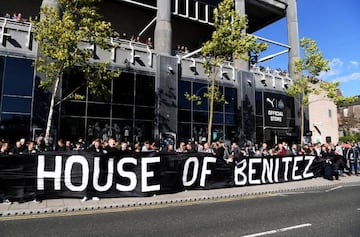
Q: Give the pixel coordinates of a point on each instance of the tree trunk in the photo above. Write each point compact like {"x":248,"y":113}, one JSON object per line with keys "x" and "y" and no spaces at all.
{"x":211,"y":107}
{"x":51,"y":110}
{"x":302,"y":121}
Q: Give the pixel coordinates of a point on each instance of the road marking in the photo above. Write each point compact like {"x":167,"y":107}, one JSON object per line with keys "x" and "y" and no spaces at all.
{"x":334,"y":188}
{"x":270,"y":232}
{"x":358,"y":209}
{"x":288,"y":193}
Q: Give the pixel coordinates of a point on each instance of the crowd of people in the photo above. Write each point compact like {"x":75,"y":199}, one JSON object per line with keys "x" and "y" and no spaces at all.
{"x":18,"y":17}
{"x":228,"y":152}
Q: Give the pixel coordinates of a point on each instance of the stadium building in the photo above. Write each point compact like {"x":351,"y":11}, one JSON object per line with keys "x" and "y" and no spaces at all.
{"x":147,"y":100}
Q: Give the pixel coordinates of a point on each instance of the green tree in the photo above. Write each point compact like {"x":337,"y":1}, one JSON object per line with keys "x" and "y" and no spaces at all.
{"x":229,"y":39}
{"x":62,"y":39}
{"x":307,"y":82}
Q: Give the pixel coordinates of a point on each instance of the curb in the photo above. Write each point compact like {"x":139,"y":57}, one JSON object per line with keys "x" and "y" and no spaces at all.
{"x":160,"y":201}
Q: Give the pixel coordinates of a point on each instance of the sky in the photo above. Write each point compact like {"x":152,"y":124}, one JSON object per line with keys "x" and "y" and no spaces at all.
{"x":335,"y":26}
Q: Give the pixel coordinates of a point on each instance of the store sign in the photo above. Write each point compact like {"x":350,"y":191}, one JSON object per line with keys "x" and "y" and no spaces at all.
{"x":275,"y":110}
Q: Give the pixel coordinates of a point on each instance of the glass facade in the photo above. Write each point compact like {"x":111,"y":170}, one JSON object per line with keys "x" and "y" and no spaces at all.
{"x":275,"y":118}
{"x":17,"y":85}
{"x":127,"y":113}
{"x":193,"y":117}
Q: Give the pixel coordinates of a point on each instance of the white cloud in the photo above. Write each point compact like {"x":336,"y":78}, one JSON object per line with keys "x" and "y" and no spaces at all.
{"x":351,"y":77}
{"x":354,"y":64}
{"x":336,"y":66}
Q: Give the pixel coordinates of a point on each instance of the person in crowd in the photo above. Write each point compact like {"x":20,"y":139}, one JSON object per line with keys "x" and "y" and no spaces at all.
{"x":17,"y":149}
{"x":146,"y":147}
{"x":124,"y":146}
{"x":77,"y":147}
{"x":148,"y":42}
{"x":30,"y":147}
{"x":60,"y":145}
{"x":40,"y":144}
{"x":96,"y":146}
{"x":262,"y":148}
{"x":207,"y":148}
{"x":22,"y":145}
{"x":111,"y":146}
{"x":352,"y":156}
{"x":181,"y":148}
{"x":170,"y":148}
{"x":137,"y":147}
{"x":294,"y":149}
{"x":230,"y":159}
{"x":235,"y":152}
{"x":4,"y":150}
{"x":329,"y":172}
{"x":68,"y":145}
{"x":198,"y":146}
{"x":281,"y":150}
{"x":154,"y":147}
{"x":219,"y":150}
{"x":190,"y":147}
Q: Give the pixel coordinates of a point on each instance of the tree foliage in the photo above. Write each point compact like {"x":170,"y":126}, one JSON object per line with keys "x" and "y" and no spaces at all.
{"x":229,"y":39}
{"x":307,"y":82}
{"x":62,"y":40}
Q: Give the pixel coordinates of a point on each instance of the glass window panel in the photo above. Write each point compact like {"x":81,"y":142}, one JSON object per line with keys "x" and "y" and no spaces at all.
{"x":144,"y":113}
{"x":200,"y":132}
{"x":123,"y":89}
{"x":231,"y":99}
{"x":184,"y":86}
{"x":15,"y":126}
{"x":122,"y":111}
{"x":16,"y":104}
{"x":229,"y":118}
{"x":73,"y":108}
{"x":217,"y":133}
{"x":98,"y":128}
{"x":202,"y":11}
{"x":182,"y":7}
{"x":259,"y":121}
{"x":104,"y":96}
{"x":184,"y":132}
{"x":200,"y":117}
{"x":123,"y":130}
{"x":72,"y":128}
{"x":231,"y":133}
{"x":145,"y":90}
{"x":218,"y":118}
{"x":259,"y":102}
{"x":18,"y":82}
{"x":73,"y":82}
{"x":98,"y":110}
{"x":199,"y":90}
{"x":2,"y":63}
{"x":146,"y":130}
{"x":184,"y":115}
{"x":192,"y":9}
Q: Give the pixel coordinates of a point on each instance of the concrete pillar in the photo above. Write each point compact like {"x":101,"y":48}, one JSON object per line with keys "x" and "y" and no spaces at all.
{"x":162,"y":38}
{"x":51,"y":3}
{"x":239,"y":63}
{"x":293,"y":35}
{"x":294,"y":53}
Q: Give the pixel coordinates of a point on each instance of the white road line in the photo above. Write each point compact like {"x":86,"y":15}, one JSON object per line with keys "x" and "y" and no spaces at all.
{"x":278,"y":230}
{"x":358,"y":209}
{"x":334,"y":188}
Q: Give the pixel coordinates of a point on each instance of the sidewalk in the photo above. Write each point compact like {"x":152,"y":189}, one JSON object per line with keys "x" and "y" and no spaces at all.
{"x":73,"y":205}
